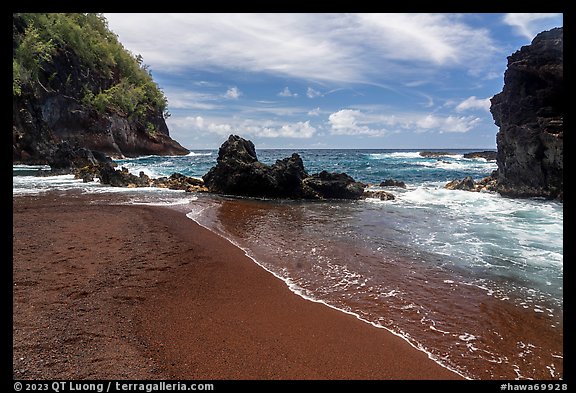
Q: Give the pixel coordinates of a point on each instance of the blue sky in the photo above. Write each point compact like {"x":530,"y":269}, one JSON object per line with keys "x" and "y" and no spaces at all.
{"x":330,"y":80}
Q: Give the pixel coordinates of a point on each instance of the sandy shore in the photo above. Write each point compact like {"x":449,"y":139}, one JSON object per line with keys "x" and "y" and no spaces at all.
{"x":140,"y":292}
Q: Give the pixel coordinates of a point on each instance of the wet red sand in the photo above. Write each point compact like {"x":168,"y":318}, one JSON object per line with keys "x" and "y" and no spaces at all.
{"x":140,"y":292}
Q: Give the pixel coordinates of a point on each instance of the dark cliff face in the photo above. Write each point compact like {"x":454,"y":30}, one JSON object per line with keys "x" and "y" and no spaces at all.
{"x":51,"y":108}
{"x":41,"y":121}
{"x":530,"y":114}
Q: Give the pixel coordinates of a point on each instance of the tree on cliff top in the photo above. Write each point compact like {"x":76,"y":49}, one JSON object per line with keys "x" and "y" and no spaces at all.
{"x":111,"y":79}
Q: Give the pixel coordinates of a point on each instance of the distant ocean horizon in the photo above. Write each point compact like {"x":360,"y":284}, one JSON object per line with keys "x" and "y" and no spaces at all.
{"x":473,"y":279}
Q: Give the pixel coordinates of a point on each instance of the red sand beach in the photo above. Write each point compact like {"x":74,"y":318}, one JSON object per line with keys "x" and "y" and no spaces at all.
{"x":105,"y":291}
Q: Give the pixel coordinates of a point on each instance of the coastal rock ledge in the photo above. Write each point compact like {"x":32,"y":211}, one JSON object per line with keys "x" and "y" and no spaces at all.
{"x":530,"y":114}
{"x":238,"y":172}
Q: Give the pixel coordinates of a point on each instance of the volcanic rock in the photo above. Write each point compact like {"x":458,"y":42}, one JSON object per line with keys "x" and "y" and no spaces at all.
{"x":530,"y":114}
{"x":238,"y":172}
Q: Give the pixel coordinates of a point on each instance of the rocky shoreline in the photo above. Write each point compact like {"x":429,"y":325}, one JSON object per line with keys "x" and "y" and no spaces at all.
{"x":237,"y":172}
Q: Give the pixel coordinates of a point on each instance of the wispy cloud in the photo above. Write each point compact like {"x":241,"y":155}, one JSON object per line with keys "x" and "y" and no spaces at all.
{"x":530,"y":24}
{"x":311,"y":93}
{"x":356,"y":122}
{"x":322,"y":47}
{"x":314,"y":112}
{"x":473,"y":103}
{"x":189,"y":99}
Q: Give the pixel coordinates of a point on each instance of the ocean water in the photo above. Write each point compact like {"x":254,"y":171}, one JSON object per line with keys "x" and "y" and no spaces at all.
{"x":473,"y":279}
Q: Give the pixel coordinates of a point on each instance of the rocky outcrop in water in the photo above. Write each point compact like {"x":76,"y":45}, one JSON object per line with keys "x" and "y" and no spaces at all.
{"x":488,"y":155}
{"x":530,"y":114}
{"x":435,"y":154}
{"x":109,"y":175}
{"x":379,"y":194}
{"x":466,"y":184}
{"x":393,"y":183}
{"x":238,"y":172}
{"x":326,"y":185}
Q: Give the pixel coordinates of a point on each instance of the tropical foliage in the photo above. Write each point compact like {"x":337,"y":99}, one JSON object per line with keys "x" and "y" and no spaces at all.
{"x":112,"y":78}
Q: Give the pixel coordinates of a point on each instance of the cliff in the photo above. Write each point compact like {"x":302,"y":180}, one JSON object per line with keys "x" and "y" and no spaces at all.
{"x":530,"y":114}
{"x":73,"y":82}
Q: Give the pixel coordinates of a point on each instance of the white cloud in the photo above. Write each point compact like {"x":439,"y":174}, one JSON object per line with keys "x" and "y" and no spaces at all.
{"x":314,"y":112}
{"x":530,"y":24}
{"x":474,"y":103}
{"x":355,"y":122}
{"x":189,"y":99}
{"x":245,"y":127}
{"x":311,"y":93}
{"x":322,"y":47}
{"x":294,"y":130}
{"x":233,"y":93}
{"x":443,"y":124}
{"x":287,"y":93}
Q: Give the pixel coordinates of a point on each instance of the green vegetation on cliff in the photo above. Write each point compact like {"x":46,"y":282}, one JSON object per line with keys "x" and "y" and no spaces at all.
{"x":50,"y":48}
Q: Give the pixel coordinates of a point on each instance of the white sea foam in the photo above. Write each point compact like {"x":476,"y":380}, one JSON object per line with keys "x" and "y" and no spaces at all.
{"x":164,"y":202}
{"x":22,"y":185}
{"x":384,"y":156}
{"x":22,"y":167}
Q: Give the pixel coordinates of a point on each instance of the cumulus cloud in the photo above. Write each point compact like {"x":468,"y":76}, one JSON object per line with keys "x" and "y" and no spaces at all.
{"x":294,"y":130}
{"x":247,"y":127}
{"x":474,"y":103}
{"x":530,"y":24}
{"x":233,"y":93}
{"x":287,"y":93}
{"x":311,"y":93}
{"x":355,"y":122}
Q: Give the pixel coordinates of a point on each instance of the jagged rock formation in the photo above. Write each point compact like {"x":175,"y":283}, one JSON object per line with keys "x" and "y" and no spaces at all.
{"x":238,"y":172}
{"x":73,"y":82}
{"x":109,"y":175}
{"x":530,"y":114}
{"x":466,"y":184}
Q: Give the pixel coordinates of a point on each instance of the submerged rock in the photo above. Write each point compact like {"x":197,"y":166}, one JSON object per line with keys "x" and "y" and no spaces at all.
{"x":238,"y":172}
{"x":393,"y":183}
